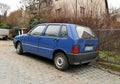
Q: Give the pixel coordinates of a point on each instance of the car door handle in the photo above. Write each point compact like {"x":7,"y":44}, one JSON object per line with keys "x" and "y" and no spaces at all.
{"x":56,"y":40}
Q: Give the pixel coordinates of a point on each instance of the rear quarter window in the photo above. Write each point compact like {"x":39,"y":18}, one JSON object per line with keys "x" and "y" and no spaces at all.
{"x":85,"y":32}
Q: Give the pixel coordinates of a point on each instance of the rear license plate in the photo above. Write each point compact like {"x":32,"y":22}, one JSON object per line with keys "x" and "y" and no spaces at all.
{"x":88,"y":48}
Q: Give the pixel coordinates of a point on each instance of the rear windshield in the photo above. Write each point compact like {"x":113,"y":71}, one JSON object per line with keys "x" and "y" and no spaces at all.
{"x":85,"y":32}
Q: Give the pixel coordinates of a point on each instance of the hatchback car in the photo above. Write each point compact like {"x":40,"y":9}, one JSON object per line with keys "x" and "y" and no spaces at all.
{"x":65,"y":44}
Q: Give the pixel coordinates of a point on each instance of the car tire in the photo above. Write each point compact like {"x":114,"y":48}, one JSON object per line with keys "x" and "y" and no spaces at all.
{"x":5,"y":38}
{"x":61,"y":62}
{"x":19,"y":49}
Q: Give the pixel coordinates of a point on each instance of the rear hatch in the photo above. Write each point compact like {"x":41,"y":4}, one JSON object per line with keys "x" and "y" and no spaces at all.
{"x":88,"y":41}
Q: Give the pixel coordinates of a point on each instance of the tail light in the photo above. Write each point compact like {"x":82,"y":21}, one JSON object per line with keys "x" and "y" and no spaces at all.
{"x":97,"y":48}
{"x":75,"y":49}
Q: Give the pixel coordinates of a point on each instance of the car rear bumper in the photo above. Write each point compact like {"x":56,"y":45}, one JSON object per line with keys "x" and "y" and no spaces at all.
{"x":76,"y":59}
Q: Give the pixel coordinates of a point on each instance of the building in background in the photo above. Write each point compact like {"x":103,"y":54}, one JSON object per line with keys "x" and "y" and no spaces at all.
{"x":116,"y":15}
{"x":94,"y":8}
{"x":78,"y":8}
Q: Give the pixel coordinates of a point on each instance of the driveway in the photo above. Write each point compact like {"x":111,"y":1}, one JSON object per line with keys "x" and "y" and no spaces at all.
{"x":32,"y":69}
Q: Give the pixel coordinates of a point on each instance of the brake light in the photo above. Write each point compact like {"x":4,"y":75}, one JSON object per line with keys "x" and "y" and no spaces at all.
{"x":75,"y":49}
{"x":97,"y":48}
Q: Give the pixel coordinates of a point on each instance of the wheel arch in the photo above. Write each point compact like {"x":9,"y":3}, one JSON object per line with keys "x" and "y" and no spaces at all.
{"x":57,"y":51}
{"x":17,"y":43}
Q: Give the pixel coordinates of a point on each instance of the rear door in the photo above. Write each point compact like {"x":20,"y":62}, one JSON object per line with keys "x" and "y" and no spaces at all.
{"x":49,"y":40}
{"x":87,"y":39}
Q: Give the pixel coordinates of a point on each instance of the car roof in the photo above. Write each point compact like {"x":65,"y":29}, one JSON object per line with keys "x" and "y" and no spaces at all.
{"x":57,"y":23}
{"x":62,"y":24}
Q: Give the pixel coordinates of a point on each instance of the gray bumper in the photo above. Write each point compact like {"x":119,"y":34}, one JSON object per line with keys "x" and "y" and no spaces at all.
{"x":76,"y":59}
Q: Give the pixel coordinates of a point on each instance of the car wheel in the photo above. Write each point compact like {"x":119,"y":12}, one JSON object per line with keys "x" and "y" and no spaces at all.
{"x":61,"y":62}
{"x":19,"y":49}
{"x":5,"y":38}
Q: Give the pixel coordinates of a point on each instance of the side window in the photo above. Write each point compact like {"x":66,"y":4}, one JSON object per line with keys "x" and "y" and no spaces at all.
{"x":64,"y":32}
{"x":37,"y":31}
{"x":52,"y":30}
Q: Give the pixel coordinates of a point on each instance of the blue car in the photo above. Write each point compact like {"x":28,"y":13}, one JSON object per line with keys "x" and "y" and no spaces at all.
{"x":65,"y":44}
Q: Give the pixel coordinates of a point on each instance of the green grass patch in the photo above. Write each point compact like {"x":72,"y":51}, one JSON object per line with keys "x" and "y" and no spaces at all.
{"x":111,"y":66}
{"x":111,"y":56}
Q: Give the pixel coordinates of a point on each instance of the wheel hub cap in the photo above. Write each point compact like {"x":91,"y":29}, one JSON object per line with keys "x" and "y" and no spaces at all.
{"x":60,"y":61}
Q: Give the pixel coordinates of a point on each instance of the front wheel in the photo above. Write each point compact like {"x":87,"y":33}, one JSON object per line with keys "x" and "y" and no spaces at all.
{"x":61,"y":62}
{"x":19,"y":49}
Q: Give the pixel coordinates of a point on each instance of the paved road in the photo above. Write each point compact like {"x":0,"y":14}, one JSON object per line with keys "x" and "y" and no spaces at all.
{"x":31,"y":69}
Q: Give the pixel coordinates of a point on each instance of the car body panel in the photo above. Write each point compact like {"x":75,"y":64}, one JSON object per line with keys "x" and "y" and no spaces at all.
{"x":46,"y":46}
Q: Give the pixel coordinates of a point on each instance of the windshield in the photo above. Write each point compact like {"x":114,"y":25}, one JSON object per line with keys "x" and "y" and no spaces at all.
{"x":85,"y":32}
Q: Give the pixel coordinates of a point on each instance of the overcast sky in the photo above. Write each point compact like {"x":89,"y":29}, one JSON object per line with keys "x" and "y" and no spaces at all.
{"x":114,"y":4}
{"x":14,"y":4}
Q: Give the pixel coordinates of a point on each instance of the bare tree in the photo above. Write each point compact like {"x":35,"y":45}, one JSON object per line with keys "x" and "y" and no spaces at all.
{"x":4,"y":9}
{"x":26,"y":3}
{"x":20,"y":16}
{"x":35,"y":5}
